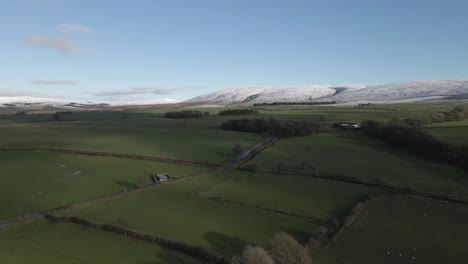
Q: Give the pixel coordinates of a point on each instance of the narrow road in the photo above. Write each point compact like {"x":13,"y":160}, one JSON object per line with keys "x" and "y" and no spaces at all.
{"x":260,"y":146}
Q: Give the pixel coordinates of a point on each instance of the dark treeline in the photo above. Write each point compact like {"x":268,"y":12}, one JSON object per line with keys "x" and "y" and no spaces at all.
{"x":186,"y":114}
{"x":238,"y":112}
{"x":64,"y":113}
{"x":193,"y":251}
{"x":418,"y":142}
{"x":272,"y":127}
{"x":295,"y":103}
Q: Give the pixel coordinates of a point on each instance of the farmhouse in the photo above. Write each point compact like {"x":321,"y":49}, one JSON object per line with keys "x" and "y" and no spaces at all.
{"x":160,"y":177}
{"x":346,"y":125}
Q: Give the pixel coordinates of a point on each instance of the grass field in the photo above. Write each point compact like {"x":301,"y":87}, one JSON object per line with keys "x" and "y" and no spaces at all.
{"x":357,"y":156}
{"x":60,"y":243}
{"x":226,"y":210}
{"x":174,"y":212}
{"x":428,"y":230}
{"x":315,"y":198}
{"x":206,"y":145}
{"x":37,"y":181}
{"x":452,"y":132}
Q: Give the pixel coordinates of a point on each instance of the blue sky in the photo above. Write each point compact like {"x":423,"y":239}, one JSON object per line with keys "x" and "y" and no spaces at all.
{"x":124,"y":50}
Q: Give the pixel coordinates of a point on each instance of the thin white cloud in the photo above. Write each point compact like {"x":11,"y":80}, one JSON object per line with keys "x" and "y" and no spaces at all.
{"x":74,"y":29}
{"x":158,"y":90}
{"x":54,"y":82}
{"x":62,"y":45}
{"x":23,"y":93}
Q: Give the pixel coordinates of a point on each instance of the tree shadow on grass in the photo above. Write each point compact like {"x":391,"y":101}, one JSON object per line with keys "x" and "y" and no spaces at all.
{"x":127,"y":185}
{"x":171,"y":258}
{"x":300,"y":236}
{"x":224,"y":244}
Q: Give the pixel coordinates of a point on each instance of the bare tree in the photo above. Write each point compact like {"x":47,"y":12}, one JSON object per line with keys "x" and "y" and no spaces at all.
{"x":286,"y":250}
{"x":237,"y":149}
{"x":253,"y":255}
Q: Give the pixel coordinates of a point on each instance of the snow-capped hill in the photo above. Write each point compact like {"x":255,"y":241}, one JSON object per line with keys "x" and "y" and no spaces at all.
{"x":267,"y":94}
{"x":418,"y":90}
{"x":403,"y":91}
{"x":11,"y":104}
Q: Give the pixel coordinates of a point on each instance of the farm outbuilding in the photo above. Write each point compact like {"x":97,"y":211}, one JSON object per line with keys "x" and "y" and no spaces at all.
{"x":160,"y":177}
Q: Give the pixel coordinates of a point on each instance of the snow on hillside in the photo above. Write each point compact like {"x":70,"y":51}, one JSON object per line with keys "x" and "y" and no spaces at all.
{"x":340,"y":93}
{"x":32,"y":102}
{"x":266,"y":94}
{"x":403,"y":91}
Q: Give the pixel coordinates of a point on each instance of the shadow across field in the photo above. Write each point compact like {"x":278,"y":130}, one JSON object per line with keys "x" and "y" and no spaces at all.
{"x":227,"y":245}
{"x":169,"y":258}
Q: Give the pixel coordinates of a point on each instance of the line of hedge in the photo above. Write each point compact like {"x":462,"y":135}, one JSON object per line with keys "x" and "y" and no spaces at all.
{"x":194,"y":251}
{"x":418,"y":142}
{"x":238,"y":112}
{"x":186,"y":114}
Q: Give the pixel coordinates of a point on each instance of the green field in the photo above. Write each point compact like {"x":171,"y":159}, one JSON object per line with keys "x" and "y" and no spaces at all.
{"x":452,"y":132}
{"x":37,"y":181}
{"x":352,"y":154}
{"x":126,"y":132}
{"x":174,"y":212}
{"x":315,"y":198}
{"x":430,"y":231}
{"x":226,"y":210}
{"x":44,"y":242}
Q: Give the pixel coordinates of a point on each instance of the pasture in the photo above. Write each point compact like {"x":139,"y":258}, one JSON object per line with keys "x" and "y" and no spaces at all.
{"x":371,"y":161}
{"x":226,"y":209}
{"x":175,"y":212}
{"x":60,"y":243}
{"x":402,"y":230}
{"x":315,"y":198}
{"x":177,"y":141}
{"x":37,"y":181}
{"x":453,"y":132}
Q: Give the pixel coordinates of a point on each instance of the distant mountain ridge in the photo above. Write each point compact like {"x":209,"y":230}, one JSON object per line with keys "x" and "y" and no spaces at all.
{"x":403,"y":91}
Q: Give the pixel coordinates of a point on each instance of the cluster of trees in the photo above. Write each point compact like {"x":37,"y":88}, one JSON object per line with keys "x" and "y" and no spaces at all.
{"x":418,"y":142}
{"x":186,"y":114}
{"x":238,"y":112}
{"x":363,"y":105}
{"x":296,"y":103}
{"x":58,"y":115}
{"x":456,"y":114}
{"x":272,"y":127}
{"x":194,"y":251}
{"x":283,"y":249}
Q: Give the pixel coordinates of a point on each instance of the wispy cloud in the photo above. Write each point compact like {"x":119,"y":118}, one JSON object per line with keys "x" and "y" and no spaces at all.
{"x":74,"y":29}
{"x":19,"y":93}
{"x":54,"y":82}
{"x":158,"y":90}
{"x":62,"y":45}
